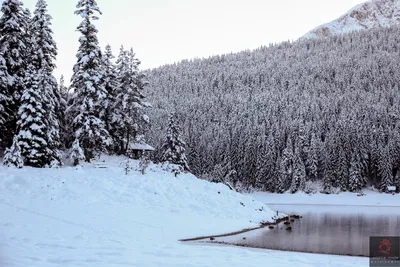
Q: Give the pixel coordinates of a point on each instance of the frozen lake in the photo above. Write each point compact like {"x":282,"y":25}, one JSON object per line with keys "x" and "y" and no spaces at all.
{"x":342,"y":230}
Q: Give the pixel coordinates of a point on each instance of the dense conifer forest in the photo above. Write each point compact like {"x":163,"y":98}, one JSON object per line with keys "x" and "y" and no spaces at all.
{"x":283,"y":116}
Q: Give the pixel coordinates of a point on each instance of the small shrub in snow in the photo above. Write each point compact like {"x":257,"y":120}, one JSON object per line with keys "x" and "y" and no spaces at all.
{"x":311,"y":187}
{"x":330,"y":190}
{"x":55,"y":163}
{"x":175,"y":169}
{"x":128,"y":166}
{"x":12,"y":156}
{"x":76,"y":153}
{"x":144,"y":164}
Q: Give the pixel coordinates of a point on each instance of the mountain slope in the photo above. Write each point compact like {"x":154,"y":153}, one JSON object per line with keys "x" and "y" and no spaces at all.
{"x":368,"y":15}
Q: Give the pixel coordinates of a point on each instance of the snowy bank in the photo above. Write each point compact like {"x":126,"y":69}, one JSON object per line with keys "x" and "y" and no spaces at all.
{"x":102,"y":217}
{"x":371,"y":198}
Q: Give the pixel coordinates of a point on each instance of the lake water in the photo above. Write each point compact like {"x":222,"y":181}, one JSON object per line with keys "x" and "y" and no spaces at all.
{"x":328,"y":229}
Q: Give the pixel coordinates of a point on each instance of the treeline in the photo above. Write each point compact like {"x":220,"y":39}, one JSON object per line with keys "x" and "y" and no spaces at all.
{"x":272,"y":119}
{"x":102,"y":111}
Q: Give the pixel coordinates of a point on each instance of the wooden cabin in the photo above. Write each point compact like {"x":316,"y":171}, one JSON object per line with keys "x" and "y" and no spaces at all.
{"x":136,"y":150}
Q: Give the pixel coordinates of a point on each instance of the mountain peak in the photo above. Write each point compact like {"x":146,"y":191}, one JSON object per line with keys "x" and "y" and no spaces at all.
{"x":368,"y":15}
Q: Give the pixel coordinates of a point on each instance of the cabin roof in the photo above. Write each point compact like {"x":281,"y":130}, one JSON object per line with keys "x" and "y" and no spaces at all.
{"x":140,"y":146}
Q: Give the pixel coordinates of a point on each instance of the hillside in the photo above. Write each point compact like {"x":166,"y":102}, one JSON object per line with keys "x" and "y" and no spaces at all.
{"x":368,"y":15}
{"x":102,"y":217}
{"x":281,"y":117}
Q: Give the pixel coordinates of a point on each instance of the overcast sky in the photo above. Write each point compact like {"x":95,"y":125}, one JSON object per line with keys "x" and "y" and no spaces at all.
{"x":167,"y":31}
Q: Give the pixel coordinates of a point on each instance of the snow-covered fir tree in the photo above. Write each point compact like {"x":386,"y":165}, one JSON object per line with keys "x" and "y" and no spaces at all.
{"x":285,"y":167}
{"x":342,"y":178}
{"x":77,"y":153}
{"x":12,"y":156}
{"x":174,"y":146}
{"x":63,"y":89}
{"x":111,"y":86}
{"x":33,"y":137}
{"x":129,"y":120}
{"x":385,"y":168}
{"x":47,"y":52}
{"x":88,"y":86}
{"x":4,"y":96}
{"x":65,"y":131}
{"x":13,"y":50}
{"x":356,"y":181}
{"x":299,"y":172}
{"x":43,"y":57}
{"x":313,"y":158}
{"x":35,"y":124}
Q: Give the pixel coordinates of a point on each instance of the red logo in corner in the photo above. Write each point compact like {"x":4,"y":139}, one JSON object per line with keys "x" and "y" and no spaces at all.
{"x":385,"y":247}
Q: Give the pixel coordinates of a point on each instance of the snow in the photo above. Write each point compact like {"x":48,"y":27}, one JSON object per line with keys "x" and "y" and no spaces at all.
{"x":371,"y":198}
{"x":368,"y":15}
{"x":101,"y":217}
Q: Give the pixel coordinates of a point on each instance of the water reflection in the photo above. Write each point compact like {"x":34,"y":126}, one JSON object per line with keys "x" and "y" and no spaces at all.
{"x":336,"y":231}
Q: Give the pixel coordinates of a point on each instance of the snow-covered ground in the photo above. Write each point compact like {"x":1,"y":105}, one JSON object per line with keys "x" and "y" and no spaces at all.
{"x":371,"y":198}
{"x":102,"y":217}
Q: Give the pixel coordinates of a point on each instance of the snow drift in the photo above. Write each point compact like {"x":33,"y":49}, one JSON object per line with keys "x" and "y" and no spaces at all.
{"x":102,"y":216}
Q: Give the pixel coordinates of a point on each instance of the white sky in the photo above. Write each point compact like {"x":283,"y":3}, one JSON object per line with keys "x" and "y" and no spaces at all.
{"x":167,"y":31}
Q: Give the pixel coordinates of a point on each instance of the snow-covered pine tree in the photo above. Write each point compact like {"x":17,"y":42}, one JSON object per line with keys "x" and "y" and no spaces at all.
{"x":174,"y":146}
{"x":331,"y":164}
{"x":32,"y":129}
{"x":343,"y":170}
{"x":268,"y":173}
{"x":13,"y":49}
{"x":356,"y":181}
{"x":77,"y":153}
{"x":12,"y":156}
{"x":63,"y":89}
{"x":118,"y":120}
{"x":285,"y":171}
{"x":4,"y":96}
{"x":140,"y":79}
{"x":385,"y":169}
{"x":45,"y":52}
{"x":313,"y":158}
{"x":65,"y":132}
{"x":29,"y":35}
{"x":28,"y":28}
{"x":111,"y":86}
{"x":195,"y":161}
{"x":299,"y":172}
{"x":261,"y":171}
{"x":88,"y":86}
{"x":129,"y":120}
{"x":43,"y":34}
{"x":251,"y":151}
